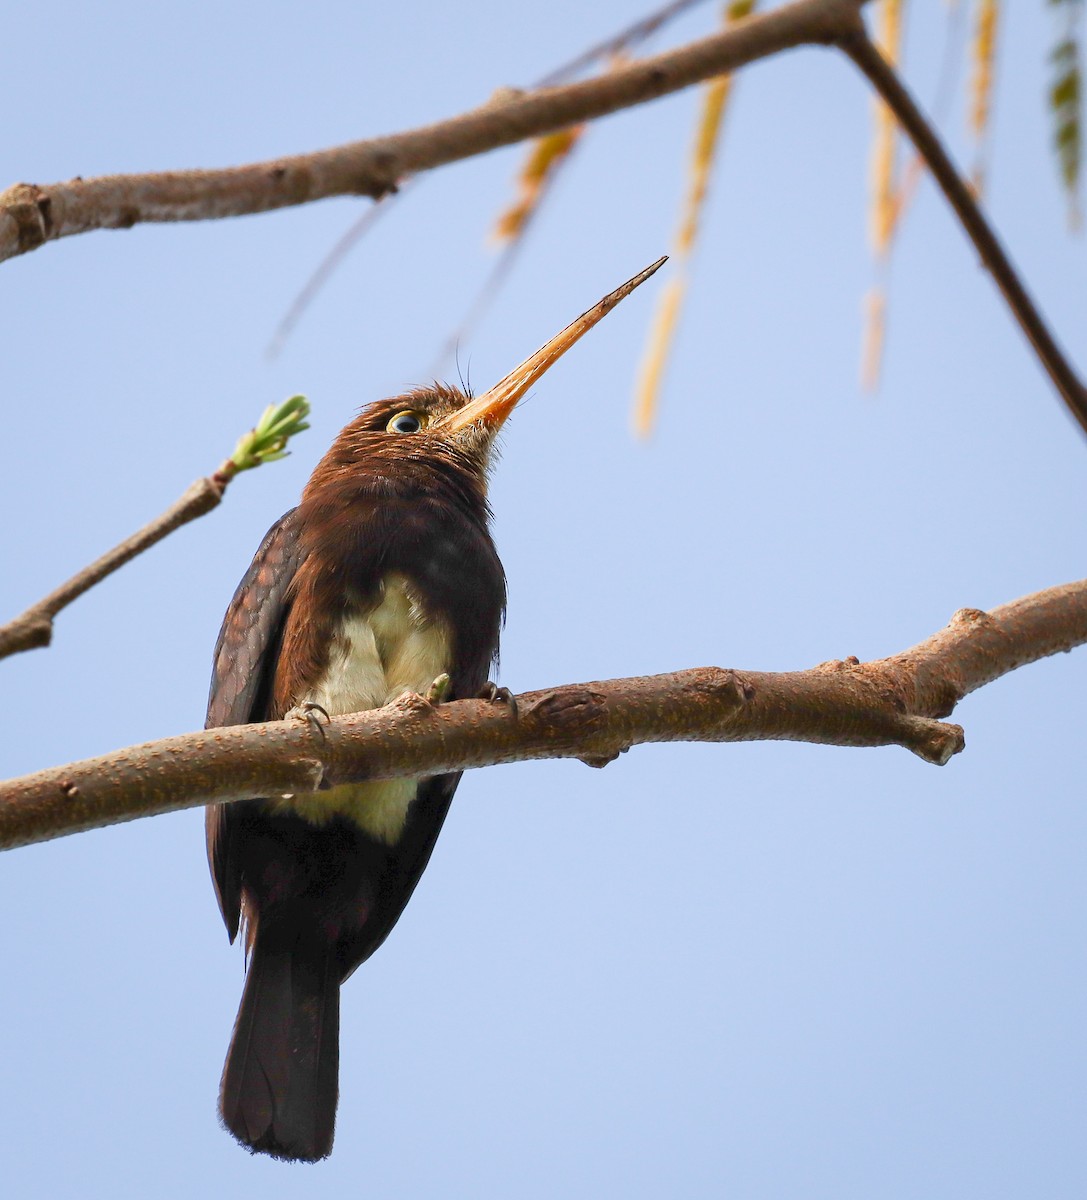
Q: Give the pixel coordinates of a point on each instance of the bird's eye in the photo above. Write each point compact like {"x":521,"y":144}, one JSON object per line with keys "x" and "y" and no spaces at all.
{"x":405,"y":422}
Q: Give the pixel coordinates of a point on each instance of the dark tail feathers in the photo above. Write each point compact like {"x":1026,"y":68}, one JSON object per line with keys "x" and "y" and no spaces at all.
{"x":281,"y":1078}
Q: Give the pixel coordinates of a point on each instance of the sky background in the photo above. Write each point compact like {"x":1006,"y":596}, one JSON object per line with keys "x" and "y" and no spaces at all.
{"x":752,"y":971}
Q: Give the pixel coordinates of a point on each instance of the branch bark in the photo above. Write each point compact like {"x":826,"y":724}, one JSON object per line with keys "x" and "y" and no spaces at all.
{"x":31,"y":214}
{"x":895,"y":95}
{"x":891,"y":701}
{"x":34,"y":627}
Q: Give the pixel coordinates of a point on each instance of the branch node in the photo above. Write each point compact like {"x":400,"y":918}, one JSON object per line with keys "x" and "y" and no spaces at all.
{"x":933,"y":741}
{"x":502,"y":95}
{"x":600,"y":761}
{"x":412,"y":704}
{"x":380,"y":176}
{"x":971,"y":616}
{"x":30,"y":207}
{"x":28,"y":632}
{"x":729,"y":687}
{"x":842,"y":23}
{"x":583,"y":706}
{"x":839,"y":664}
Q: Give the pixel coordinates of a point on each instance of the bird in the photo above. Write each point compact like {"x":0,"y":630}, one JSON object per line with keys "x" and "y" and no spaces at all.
{"x":383,"y":580}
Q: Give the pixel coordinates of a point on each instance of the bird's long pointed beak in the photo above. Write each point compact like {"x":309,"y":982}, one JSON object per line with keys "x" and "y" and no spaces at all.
{"x":492,"y":408}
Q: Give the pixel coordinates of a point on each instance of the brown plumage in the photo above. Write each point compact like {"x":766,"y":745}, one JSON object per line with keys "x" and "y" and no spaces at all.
{"x":383,"y":578}
{"x":318,"y":896}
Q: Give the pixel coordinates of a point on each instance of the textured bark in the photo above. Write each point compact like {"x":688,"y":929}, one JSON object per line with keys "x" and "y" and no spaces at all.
{"x":891,"y":701}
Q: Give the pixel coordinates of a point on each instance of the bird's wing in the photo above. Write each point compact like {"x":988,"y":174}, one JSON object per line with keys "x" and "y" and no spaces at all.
{"x":241,"y":677}
{"x":242,"y":668}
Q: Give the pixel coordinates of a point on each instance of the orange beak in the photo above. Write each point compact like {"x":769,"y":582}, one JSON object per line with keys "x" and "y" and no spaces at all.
{"x":492,"y":408}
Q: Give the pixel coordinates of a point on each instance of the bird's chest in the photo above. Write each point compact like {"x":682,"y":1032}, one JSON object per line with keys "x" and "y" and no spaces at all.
{"x":377,"y":653}
{"x":382,"y":651}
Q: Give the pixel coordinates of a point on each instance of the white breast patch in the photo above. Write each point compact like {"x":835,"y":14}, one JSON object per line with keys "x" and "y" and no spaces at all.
{"x":376,"y":656}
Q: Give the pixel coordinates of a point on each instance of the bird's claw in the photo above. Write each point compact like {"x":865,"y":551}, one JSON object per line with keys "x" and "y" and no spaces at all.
{"x":311,"y":713}
{"x":499,"y":695}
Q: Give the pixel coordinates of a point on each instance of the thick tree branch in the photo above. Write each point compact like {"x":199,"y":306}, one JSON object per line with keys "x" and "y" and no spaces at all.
{"x":891,"y":701}
{"x":893,"y":92}
{"x":34,"y":627}
{"x":31,"y":214}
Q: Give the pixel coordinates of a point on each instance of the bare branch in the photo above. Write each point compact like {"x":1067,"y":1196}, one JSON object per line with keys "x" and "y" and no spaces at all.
{"x":34,"y":627}
{"x":31,"y":214}
{"x":265,"y":442}
{"x":885,"y":80}
{"x":891,"y":701}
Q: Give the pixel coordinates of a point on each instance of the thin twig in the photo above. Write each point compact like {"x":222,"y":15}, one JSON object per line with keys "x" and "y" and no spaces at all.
{"x":892,"y":701}
{"x":325,"y":268}
{"x":885,"y":80}
{"x":491,"y":286}
{"x":492,"y":283}
{"x":265,"y":442}
{"x":947,"y":75}
{"x":625,"y":39}
{"x":34,"y":627}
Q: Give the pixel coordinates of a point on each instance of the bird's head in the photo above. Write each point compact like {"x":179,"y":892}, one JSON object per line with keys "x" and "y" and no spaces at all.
{"x":444,"y":424}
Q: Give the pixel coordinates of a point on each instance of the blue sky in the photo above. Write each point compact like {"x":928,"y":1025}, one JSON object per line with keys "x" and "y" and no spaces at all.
{"x":753,"y":970}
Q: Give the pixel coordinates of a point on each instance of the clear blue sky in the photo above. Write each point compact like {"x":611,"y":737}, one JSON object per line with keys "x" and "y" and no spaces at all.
{"x":753,"y":971}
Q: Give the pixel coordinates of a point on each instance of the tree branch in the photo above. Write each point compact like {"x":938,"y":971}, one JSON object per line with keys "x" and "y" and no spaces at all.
{"x":265,"y":442}
{"x":892,"y":91}
{"x":31,"y":214}
{"x":34,"y":627}
{"x":890,"y":701}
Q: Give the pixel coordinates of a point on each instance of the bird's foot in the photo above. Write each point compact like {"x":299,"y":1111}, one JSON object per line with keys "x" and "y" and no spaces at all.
{"x":312,"y":714}
{"x":499,"y":695}
{"x":439,"y":689}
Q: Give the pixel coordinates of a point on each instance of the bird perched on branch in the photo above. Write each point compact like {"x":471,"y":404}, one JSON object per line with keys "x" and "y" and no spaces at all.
{"x":381,"y":581}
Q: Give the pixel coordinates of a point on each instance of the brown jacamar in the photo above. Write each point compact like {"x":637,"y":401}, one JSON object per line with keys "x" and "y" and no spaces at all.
{"x":383,"y":579}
